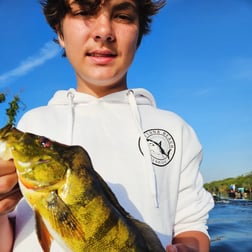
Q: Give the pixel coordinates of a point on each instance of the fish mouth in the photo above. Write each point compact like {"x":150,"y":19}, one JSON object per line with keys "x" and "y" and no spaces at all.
{"x":29,"y":176}
{"x":5,"y":152}
{"x":28,"y":166}
{"x":2,"y":148}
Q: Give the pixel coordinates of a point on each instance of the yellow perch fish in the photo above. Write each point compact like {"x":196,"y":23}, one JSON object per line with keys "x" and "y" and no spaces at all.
{"x":72,"y":203}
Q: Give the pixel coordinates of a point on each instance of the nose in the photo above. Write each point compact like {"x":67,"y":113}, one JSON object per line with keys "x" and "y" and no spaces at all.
{"x":104,"y":38}
{"x":103,"y":29}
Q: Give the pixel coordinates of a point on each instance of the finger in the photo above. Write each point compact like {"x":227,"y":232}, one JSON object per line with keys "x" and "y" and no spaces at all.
{"x":7,"y":167}
{"x":8,"y":182}
{"x":8,"y":204}
{"x":9,"y":194}
{"x":171,"y":248}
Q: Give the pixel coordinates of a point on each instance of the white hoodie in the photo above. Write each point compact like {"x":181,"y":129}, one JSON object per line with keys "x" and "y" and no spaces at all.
{"x":149,"y":157}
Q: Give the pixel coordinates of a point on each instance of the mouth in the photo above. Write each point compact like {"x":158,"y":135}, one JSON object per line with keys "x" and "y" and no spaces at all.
{"x":102,"y":57}
{"x":102,"y":54}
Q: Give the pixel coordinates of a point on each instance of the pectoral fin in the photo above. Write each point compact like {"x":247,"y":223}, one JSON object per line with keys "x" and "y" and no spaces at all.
{"x":44,"y":236}
{"x":63,"y":221}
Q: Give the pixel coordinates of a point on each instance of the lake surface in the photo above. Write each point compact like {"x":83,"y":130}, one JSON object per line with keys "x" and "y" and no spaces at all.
{"x":230,"y":226}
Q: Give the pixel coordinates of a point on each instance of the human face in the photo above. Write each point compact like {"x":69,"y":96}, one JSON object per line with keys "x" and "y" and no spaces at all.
{"x":101,"y":45}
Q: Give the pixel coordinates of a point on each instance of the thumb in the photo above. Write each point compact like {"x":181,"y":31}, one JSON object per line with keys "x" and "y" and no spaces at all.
{"x":171,"y":248}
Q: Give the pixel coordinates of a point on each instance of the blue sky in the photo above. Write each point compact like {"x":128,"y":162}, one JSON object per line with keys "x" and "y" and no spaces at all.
{"x":197,"y":62}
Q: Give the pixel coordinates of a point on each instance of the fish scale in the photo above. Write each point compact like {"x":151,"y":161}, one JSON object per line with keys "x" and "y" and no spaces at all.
{"x":72,"y":203}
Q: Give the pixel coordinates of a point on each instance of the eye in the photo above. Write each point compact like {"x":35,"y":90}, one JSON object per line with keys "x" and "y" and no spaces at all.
{"x":45,"y":142}
{"x":83,"y":13}
{"x":128,"y":17}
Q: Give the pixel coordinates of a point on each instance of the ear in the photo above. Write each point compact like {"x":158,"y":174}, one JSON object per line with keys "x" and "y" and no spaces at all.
{"x":58,"y":30}
{"x":61,"y":39}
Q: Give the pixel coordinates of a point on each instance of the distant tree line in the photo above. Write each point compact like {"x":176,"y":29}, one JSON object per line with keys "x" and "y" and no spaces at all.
{"x":222,"y":187}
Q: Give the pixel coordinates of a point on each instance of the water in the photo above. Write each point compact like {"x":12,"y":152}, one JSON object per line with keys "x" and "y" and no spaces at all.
{"x":230,"y":226}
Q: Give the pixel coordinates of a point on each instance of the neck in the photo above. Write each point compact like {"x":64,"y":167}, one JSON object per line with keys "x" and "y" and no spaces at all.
{"x":101,"y":90}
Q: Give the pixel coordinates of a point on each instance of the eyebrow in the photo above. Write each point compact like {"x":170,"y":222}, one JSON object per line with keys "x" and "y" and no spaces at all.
{"x":83,"y":2}
{"x":126,"y":6}
{"x":92,"y":5}
{"x":120,"y":6}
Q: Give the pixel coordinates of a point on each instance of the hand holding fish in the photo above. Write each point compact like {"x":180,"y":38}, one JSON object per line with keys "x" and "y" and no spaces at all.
{"x":190,"y":241}
{"x":179,"y":248}
{"x":10,"y":193}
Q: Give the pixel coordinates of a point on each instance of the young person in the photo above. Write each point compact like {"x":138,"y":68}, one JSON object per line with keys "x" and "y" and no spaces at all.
{"x":149,"y":157}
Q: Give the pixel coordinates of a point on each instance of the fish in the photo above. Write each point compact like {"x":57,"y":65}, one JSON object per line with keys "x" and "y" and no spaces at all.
{"x":72,"y":203}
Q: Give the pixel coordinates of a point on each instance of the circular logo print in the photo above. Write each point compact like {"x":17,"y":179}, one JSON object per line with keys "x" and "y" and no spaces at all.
{"x":162,"y":146}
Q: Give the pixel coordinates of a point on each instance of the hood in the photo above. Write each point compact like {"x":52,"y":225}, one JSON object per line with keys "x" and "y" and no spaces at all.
{"x":63,"y":97}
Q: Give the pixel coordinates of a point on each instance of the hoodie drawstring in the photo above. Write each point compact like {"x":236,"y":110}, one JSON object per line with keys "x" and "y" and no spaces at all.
{"x":70,"y":96}
{"x":145,"y":147}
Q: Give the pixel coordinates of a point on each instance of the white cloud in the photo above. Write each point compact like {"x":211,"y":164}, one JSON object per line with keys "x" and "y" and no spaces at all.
{"x":47,"y":52}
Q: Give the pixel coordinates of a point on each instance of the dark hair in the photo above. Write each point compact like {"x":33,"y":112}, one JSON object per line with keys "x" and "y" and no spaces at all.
{"x":55,"y":11}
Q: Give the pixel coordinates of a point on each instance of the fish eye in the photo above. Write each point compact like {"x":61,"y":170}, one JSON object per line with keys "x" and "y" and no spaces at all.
{"x":45,"y":142}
